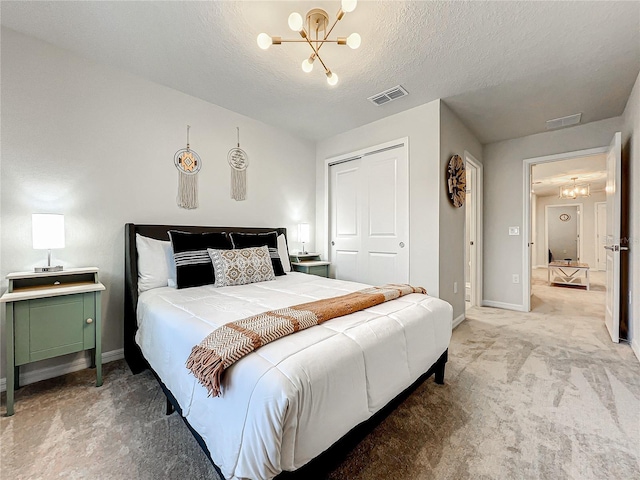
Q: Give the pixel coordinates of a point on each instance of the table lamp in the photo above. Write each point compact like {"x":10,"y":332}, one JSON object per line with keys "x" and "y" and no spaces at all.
{"x":47,"y":233}
{"x":303,"y":235}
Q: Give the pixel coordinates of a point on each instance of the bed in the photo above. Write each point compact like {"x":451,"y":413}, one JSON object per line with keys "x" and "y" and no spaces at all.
{"x":288,"y":402}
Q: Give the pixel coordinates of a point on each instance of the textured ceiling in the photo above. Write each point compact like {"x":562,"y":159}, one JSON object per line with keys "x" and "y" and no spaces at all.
{"x":503,"y":67}
{"x":547,"y":178}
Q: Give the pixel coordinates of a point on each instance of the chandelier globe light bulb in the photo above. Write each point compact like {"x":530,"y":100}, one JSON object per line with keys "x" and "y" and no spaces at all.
{"x":264,"y":41}
{"x":332,"y":78}
{"x":354,"y":40}
{"x":295,"y":22}
{"x":307,"y":66}
{"x":349,"y":5}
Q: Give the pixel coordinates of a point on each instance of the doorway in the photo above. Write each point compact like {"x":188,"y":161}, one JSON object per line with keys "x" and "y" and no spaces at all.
{"x":473,"y":232}
{"x":580,"y":187}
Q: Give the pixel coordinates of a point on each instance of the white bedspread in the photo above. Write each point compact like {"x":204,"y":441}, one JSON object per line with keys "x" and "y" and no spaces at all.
{"x":290,"y":400}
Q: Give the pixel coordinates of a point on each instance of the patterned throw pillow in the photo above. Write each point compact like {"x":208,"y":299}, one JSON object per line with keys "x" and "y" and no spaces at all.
{"x":270,"y":239}
{"x":193,"y":264}
{"x":241,"y":266}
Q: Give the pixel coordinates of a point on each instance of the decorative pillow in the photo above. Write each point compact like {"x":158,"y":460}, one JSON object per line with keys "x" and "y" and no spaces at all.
{"x":270,"y":239}
{"x":193,"y":264}
{"x":242,"y":266}
{"x":283,"y":251}
{"x":156,"y":267}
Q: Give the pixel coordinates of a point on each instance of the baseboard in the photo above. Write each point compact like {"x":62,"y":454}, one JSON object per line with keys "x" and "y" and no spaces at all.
{"x":635,"y":346}
{"x":504,"y":306}
{"x":457,"y":321}
{"x":50,"y":372}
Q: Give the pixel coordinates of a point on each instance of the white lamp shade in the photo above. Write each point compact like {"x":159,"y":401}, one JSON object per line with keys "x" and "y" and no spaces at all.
{"x":354,"y":40}
{"x":264,"y":41}
{"x":47,"y":230}
{"x":303,"y":232}
{"x":295,"y":22}
{"x":349,"y":5}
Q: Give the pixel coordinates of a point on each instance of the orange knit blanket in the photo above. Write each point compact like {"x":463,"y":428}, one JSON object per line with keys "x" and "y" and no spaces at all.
{"x":232,"y":341}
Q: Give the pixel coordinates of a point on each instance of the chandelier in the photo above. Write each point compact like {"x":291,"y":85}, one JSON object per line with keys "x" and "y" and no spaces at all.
{"x":574,"y":190}
{"x":314,"y":31}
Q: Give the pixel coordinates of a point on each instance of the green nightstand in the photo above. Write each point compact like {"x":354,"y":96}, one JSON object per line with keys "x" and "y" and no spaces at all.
{"x":51,"y":314}
{"x":309,"y":263}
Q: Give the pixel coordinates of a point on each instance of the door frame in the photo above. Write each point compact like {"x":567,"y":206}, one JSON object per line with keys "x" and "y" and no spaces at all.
{"x":546,"y":227}
{"x":476,"y":273}
{"x":402,"y":142}
{"x":595,"y":207}
{"x":527,"y":163}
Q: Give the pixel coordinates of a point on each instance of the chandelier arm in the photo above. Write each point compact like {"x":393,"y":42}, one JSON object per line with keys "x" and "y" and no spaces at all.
{"x":338,"y":18}
{"x":302,"y":40}
{"x":317,"y":55}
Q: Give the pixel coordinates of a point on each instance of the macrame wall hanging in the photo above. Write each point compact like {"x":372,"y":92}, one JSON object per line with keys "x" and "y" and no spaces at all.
{"x":239,"y":161}
{"x":188,"y":164}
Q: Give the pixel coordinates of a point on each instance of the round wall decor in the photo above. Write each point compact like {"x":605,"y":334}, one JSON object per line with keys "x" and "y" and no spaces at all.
{"x":565,"y":217}
{"x":456,"y":181}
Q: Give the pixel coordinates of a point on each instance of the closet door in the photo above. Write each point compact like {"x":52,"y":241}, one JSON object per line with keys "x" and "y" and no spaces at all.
{"x":369,"y":217}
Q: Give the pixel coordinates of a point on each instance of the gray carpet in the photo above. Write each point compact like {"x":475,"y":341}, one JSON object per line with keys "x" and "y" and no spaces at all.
{"x":541,"y":395}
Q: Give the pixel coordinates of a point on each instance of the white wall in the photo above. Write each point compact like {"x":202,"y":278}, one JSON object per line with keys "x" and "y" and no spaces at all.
{"x":588,"y":254}
{"x":421,"y":125}
{"x":503,"y":198}
{"x":631,"y":147}
{"x":455,"y":138}
{"x":97,"y":144}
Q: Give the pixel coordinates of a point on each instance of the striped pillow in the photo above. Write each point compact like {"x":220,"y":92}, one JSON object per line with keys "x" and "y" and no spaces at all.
{"x":193,"y":263}
{"x":241,"y":266}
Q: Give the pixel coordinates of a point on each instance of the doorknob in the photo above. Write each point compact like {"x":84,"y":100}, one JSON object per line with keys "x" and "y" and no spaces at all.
{"x":332,"y":243}
{"x":471,"y":242}
{"x":401,"y":244}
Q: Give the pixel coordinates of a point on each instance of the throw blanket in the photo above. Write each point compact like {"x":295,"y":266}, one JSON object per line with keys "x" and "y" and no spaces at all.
{"x":232,"y":341}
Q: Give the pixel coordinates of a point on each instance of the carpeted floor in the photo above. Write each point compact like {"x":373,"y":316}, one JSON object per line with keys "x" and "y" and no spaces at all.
{"x":540,"y":395}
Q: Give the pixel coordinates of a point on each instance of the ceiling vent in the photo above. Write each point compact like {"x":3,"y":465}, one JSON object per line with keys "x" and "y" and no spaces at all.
{"x":388,"y":95}
{"x":564,"y":121}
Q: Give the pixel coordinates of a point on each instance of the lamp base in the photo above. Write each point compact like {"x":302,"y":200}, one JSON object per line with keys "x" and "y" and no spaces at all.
{"x":57,"y":268}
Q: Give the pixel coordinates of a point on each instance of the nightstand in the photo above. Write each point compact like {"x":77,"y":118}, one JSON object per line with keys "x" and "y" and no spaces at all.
{"x":309,"y":263}
{"x":51,"y":314}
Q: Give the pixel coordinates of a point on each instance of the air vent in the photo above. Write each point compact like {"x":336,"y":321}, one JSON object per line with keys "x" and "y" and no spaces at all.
{"x":388,"y":95}
{"x":564,"y":121}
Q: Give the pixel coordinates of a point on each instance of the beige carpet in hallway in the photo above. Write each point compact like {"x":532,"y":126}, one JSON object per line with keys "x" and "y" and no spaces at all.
{"x":540,"y":395}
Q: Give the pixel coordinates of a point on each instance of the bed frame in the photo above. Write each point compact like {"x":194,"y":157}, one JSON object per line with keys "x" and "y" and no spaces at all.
{"x":318,"y":467}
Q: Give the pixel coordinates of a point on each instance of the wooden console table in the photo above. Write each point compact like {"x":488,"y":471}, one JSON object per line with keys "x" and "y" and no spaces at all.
{"x":568,"y":273}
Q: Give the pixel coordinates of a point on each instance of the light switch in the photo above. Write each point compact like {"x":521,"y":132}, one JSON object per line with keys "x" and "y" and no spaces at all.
{"x":514,"y":230}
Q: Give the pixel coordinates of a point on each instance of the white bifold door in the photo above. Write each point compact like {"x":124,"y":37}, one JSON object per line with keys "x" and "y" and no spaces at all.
{"x":369,"y":217}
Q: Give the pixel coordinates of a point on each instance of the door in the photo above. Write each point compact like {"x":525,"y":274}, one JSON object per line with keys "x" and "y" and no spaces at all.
{"x":470,"y":236}
{"x":369,"y":217}
{"x":612,"y":246}
{"x":601,"y":235}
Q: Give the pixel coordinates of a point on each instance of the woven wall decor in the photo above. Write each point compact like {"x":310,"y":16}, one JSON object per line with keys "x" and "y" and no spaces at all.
{"x":188,"y":164}
{"x":238,"y":161}
{"x":456,"y":181}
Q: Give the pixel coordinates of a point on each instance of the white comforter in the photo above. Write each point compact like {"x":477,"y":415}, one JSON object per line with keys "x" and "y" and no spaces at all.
{"x":290,"y":400}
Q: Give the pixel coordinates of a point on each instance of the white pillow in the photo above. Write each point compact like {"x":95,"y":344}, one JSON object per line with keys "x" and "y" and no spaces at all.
{"x":284,"y":253}
{"x":156,"y":266}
